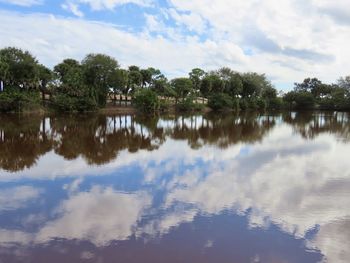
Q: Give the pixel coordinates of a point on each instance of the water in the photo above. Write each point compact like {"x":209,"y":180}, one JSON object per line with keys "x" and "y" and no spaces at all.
{"x":250,"y":188}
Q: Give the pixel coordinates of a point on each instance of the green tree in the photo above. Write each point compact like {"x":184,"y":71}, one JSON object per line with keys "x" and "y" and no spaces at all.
{"x":182,"y":87}
{"x":308,"y":85}
{"x":135,"y":78}
{"x":344,"y":83}
{"x":196,"y":76}
{"x":119,"y":82}
{"x":220,"y":101}
{"x":71,"y":93}
{"x":98,"y":70}
{"x":146,"y":100}
{"x":18,"y":68}
{"x":45,"y":76}
{"x":254,"y":84}
{"x":299,"y":100}
{"x":63,"y":68}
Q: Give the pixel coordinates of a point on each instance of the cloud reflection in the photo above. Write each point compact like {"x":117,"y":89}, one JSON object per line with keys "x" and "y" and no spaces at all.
{"x":295,"y":176}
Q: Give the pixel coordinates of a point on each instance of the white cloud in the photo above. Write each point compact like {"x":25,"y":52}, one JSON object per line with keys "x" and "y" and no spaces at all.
{"x":192,"y":21}
{"x":26,"y":3}
{"x":98,"y":5}
{"x":17,"y":197}
{"x":100,"y":216}
{"x":74,"y":8}
{"x":55,"y":38}
{"x":287,"y":39}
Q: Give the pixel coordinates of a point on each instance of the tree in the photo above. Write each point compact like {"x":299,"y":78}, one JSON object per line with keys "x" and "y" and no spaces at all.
{"x":308,"y":85}
{"x":119,"y":82}
{"x":299,"y":100}
{"x":18,"y":68}
{"x":269,"y":93}
{"x":196,"y":76}
{"x":205,"y":87}
{"x":344,"y":83}
{"x":62,"y":69}
{"x":45,"y":75}
{"x":146,"y":77}
{"x":98,"y":71}
{"x":160,"y":84}
{"x":234,"y":85}
{"x":182,"y":87}
{"x":254,"y":84}
{"x":146,"y":100}
{"x":220,"y":101}
{"x":71,"y":93}
{"x":3,"y":69}
{"x":135,"y":78}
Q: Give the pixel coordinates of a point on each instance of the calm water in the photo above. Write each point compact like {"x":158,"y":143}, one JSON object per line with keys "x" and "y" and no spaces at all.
{"x":252,"y":188}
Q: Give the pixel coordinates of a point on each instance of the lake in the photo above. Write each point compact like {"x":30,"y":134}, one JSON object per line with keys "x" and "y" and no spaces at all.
{"x":249,"y":187}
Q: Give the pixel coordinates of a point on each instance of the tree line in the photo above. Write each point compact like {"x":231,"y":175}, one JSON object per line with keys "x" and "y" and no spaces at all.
{"x":89,"y":84}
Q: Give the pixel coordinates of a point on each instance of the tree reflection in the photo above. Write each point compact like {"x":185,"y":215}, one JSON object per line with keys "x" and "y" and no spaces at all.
{"x":99,"y":139}
{"x":311,"y":124}
{"x":22,"y":141}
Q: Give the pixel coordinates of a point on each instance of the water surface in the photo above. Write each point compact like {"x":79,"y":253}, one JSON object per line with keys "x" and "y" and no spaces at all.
{"x":252,"y":188}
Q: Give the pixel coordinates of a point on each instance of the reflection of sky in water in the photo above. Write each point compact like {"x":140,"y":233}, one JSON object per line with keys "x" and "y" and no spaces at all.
{"x":281,"y":198}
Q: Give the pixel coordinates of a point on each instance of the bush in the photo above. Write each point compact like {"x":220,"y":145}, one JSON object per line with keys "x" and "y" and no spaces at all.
{"x":65,"y":103}
{"x":275,"y":103}
{"x":299,"y":100}
{"x":220,"y":101}
{"x":326,"y":104}
{"x":16,"y":100}
{"x":164,"y":105}
{"x":305,"y":100}
{"x":261,"y":104}
{"x":146,"y":100}
{"x":189,"y":105}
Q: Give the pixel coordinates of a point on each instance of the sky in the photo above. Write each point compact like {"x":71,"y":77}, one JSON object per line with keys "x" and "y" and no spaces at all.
{"x":288,"y":40}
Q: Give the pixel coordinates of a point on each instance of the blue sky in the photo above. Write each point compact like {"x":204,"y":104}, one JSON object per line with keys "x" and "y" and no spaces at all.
{"x":286,"y":39}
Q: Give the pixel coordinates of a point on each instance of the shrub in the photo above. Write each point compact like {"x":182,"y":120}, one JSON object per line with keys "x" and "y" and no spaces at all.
{"x":261,"y":104}
{"x":275,"y":103}
{"x":16,"y":100}
{"x":220,"y":101}
{"x":146,"y":100}
{"x":189,"y":105}
{"x":243,"y":104}
{"x":63,"y":102}
{"x":326,"y":104}
{"x":299,"y":100}
{"x":304,"y":100}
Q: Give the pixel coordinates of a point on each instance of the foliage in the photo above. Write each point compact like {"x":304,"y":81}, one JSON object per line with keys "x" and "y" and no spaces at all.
{"x":300,"y":99}
{"x":72,"y":93}
{"x":89,"y":84}
{"x":146,"y":100}
{"x":98,"y":72}
{"x":275,"y":103}
{"x":15,"y":100}
{"x":18,"y":68}
{"x":66,"y":103}
{"x":220,"y":101}
{"x":182,"y":87}
{"x":189,"y":105}
{"x":254,"y":84}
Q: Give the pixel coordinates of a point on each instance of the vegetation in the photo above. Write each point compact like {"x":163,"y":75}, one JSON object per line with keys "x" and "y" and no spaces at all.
{"x":146,"y":100}
{"x":98,"y":79}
